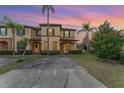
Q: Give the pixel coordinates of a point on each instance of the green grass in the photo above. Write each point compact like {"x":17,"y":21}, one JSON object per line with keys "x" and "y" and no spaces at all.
{"x":110,"y":74}
{"x":15,"y":65}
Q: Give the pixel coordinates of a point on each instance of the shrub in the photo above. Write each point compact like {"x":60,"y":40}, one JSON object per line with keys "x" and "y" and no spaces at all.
{"x":107,"y":42}
{"x":121,"y":58}
{"x":6,"y":52}
{"x":75,"y":51}
{"x":51,"y":52}
{"x":28,"y":52}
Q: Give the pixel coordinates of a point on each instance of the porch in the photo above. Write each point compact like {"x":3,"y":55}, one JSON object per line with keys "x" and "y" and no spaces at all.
{"x":5,"y":44}
{"x":67,"y":45}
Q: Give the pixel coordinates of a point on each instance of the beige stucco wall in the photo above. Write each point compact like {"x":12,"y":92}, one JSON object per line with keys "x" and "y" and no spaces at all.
{"x":51,"y":38}
{"x":28,"y":32}
{"x":7,"y":38}
{"x":9,"y":34}
{"x":17,"y":38}
{"x":44,"y":30}
{"x":27,"y":35}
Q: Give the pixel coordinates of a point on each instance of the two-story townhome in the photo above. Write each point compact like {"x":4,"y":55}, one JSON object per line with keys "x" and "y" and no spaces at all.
{"x":60,"y":39}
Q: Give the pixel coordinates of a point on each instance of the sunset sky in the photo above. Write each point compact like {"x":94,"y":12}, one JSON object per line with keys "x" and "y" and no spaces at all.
{"x":68,"y":15}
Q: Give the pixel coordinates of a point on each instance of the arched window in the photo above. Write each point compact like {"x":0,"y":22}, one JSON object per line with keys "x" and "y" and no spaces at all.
{"x":20,"y":46}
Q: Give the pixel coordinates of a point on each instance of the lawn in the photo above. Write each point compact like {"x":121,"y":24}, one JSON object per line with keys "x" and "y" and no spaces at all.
{"x":15,"y":65}
{"x":110,"y":74}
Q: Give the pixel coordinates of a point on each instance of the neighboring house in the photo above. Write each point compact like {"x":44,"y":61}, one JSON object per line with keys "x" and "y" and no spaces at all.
{"x":60,"y":39}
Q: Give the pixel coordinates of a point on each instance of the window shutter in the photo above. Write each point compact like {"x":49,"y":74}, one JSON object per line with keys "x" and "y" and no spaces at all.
{"x":24,"y":32}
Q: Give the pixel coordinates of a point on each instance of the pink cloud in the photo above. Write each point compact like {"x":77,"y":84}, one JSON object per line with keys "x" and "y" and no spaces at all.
{"x":93,"y":17}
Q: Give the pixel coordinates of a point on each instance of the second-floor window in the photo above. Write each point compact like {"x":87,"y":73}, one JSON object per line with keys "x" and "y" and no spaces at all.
{"x":3,"y":31}
{"x":38,"y":33}
{"x":72,"y":34}
{"x":51,"y":32}
{"x":66,"y":34}
{"x":20,"y":32}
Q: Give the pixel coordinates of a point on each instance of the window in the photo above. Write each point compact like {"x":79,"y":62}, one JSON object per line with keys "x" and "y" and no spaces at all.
{"x":54,"y":45}
{"x":45,"y":45}
{"x":51,"y":32}
{"x":20,"y":46}
{"x":66,"y":34}
{"x":62,"y":34}
{"x":38,"y":33}
{"x":72,"y":34}
{"x":3,"y":31}
{"x":20,"y":32}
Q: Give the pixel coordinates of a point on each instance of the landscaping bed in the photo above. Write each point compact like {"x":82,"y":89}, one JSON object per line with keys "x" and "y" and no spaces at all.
{"x":110,"y":74}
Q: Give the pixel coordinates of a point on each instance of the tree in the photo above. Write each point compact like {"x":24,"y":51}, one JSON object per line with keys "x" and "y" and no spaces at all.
{"x":25,"y":42}
{"x":87,"y":28}
{"x":8,"y":23}
{"x":107,"y":42}
{"x":48,"y":9}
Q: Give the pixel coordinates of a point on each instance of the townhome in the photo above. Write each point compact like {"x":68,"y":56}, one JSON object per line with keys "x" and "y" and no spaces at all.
{"x":60,"y":39}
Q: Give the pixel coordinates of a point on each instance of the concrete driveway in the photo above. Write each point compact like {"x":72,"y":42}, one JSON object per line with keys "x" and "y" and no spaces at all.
{"x":52,"y":72}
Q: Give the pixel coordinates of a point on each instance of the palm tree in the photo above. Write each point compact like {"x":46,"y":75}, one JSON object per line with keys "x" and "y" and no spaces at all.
{"x":48,"y":9}
{"x":87,"y":28}
{"x":25,"y":42}
{"x":8,"y":23}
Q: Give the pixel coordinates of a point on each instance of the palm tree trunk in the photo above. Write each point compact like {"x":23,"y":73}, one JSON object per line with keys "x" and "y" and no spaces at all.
{"x":48,"y":32}
{"x":13,"y":39}
{"x":24,"y":51}
{"x":87,"y":43}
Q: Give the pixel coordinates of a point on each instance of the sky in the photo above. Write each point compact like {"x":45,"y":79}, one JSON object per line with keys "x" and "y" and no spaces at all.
{"x":68,"y":15}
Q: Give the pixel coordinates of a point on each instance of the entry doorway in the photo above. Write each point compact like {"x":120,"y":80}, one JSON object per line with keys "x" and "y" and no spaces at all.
{"x":36,"y":47}
{"x":3,"y":46}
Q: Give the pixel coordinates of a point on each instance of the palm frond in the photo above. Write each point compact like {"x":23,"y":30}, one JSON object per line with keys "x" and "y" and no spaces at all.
{"x":8,"y":25}
{"x":46,"y":8}
{"x":52,"y":9}
{"x":7,"y":22}
{"x":92,"y":28}
{"x":80,"y":31}
{"x":18,"y":26}
{"x":43,"y":9}
{"x":7,"y":19}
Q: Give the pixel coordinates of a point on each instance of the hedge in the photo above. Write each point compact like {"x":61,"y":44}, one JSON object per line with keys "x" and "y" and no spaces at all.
{"x":51,"y":52}
{"x":75,"y":51}
{"x":28,"y":52}
{"x":6,"y":52}
{"x":121,"y":58}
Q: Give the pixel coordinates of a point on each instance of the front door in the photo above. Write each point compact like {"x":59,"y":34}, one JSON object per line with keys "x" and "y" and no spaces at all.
{"x":36,"y":47}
